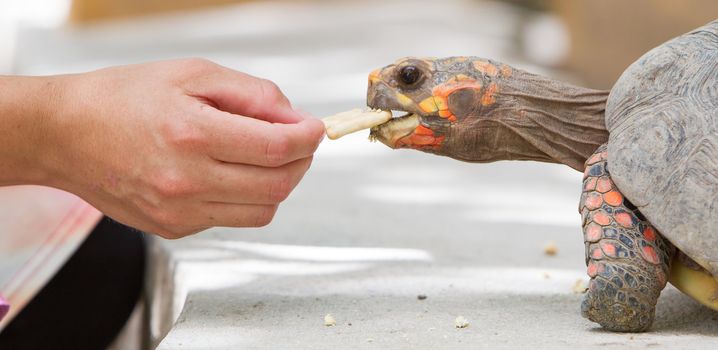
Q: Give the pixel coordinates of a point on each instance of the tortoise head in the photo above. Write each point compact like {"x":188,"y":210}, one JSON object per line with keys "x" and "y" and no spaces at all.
{"x":448,"y":104}
{"x":478,"y":110}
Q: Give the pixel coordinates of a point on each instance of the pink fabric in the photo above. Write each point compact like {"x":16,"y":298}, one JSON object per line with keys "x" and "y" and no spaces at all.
{"x":40,"y":228}
{"x":4,"y":307}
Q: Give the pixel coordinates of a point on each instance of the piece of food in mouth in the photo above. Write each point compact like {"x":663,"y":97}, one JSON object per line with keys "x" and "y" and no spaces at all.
{"x":391,"y":132}
{"x":345,"y":123}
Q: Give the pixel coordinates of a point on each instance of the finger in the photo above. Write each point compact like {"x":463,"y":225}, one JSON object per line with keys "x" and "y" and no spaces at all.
{"x":242,"y":94}
{"x":174,"y":232}
{"x":239,"y":215}
{"x":236,"y":139}
{"x":165,"y":223}
{"x":211,"y":214}
{"x":246,"y":184}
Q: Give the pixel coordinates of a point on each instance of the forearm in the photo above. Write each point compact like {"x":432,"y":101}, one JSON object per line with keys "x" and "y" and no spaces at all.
{"x":26,"y":105}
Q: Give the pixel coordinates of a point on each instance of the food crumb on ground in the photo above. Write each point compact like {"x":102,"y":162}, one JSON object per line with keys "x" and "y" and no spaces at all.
{"x":461,"y":322}
{"x":550,"y":248}
{"x":369,"y":340}
{"x":580,"y":287}
{"x":421,"y":297}
{"x":329,"y":320}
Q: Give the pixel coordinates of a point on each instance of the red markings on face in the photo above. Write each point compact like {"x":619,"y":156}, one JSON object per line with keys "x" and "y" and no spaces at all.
{"x":589,"y":184}
{"x":593,"y":201}
{"x":650,"y":255}
{"x":422,"y":140}
{"x":374,"y":76}
{"x":608,"y":248}
{"x":421,"y":137}
{"x":448,"y":115}
{"x":441,"y":93}
{"x":613,"y":198}
{"x":489,"y":98}
{"x":506,"y":71}
{"x":422,"y":130}
{"x":486,"y":68}
{"x":624,"y":219}
{"x":593,"y":233}
{"x":604,"y":184}
{"x":601,"y":218}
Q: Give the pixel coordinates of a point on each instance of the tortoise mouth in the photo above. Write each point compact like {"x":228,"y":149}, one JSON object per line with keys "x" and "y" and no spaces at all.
{"x":398,"y":127}
{"x":405,"y":124}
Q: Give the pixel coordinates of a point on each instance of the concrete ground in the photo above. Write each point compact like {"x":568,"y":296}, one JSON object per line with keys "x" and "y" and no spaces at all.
{"x":369,"y":229}
{"x":366,"y":234}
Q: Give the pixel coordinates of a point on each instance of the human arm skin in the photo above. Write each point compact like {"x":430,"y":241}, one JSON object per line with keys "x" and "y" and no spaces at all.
{"x":170,"y":147}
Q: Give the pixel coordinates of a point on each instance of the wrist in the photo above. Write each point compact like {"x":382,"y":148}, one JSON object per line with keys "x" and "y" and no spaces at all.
{"x":28,"y":106}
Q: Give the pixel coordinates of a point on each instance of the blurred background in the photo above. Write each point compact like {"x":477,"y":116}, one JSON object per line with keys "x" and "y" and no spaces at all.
{"x":448,"y":216}
{"x":593,"y":40}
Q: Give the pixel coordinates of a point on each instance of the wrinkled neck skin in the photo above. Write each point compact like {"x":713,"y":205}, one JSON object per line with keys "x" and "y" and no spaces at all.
{"x":533,"y":118}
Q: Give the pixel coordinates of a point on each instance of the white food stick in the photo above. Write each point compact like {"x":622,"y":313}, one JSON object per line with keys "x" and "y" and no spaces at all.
{"x":345,"y":123}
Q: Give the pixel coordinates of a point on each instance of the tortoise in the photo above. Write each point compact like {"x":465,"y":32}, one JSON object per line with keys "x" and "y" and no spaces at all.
{"x":647,"y":148}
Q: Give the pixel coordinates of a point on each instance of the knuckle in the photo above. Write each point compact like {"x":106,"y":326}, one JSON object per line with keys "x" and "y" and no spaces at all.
{"x":200,"y":64}
{"x":183,"y":135}
{"x":264,"y":216}
{"x":171,"y":185}
{"x":270,"y":90}
{"x":277,"y":150}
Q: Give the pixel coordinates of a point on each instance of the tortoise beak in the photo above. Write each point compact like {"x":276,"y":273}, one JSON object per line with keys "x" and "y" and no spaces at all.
{"x":379,"y":96}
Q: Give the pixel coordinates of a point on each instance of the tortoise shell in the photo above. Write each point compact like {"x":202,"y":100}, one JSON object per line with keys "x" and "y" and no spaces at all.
{"x":662,"y":116}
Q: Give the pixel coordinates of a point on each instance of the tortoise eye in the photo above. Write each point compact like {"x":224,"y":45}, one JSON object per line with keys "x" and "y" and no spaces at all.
{"x":409,"y":75}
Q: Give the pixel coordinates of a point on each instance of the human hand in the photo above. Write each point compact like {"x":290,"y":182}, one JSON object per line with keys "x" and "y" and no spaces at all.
{"x":176,"y":147}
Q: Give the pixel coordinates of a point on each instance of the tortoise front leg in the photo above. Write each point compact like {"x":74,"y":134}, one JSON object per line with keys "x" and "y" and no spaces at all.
{"x":627,"y":260}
